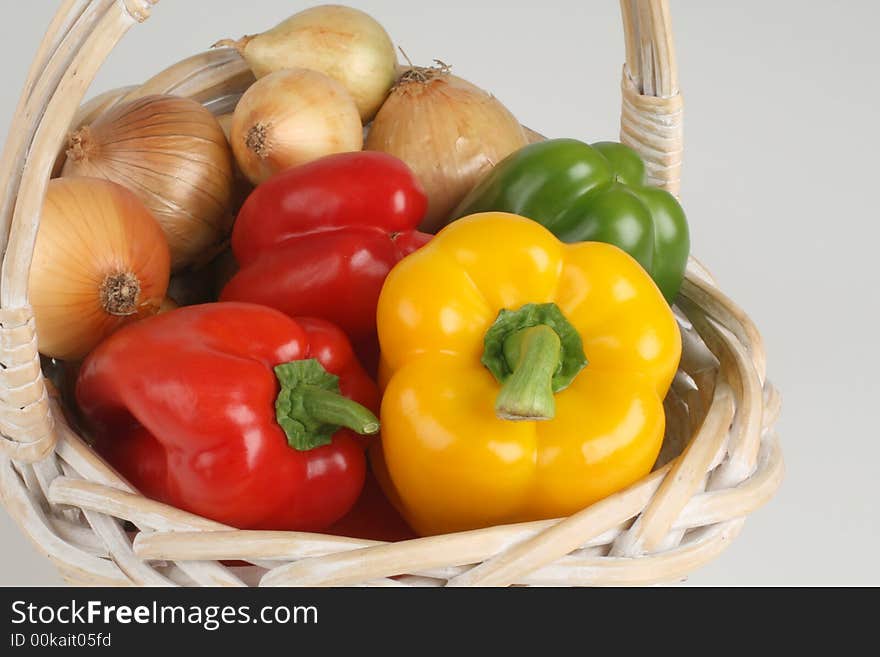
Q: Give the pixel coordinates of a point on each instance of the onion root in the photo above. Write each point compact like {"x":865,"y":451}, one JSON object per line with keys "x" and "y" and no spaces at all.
{"x":119,"y":294}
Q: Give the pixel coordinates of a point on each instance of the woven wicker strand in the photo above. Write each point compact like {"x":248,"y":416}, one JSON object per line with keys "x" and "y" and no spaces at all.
{"x":651,"y":115}
{"x":720,"y":461}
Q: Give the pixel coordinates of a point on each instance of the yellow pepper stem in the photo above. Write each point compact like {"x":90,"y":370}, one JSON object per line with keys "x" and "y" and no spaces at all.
{"x":533,"y":357}
{"x":533,"y":352}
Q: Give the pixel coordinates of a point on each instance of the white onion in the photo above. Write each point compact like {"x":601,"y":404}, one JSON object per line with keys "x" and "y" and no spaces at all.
{"x":343,"y":43}
{"x":291,"y":117}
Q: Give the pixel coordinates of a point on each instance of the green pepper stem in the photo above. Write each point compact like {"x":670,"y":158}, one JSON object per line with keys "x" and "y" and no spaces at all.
{"x":329,"y":407}
{"x":533,"y":355}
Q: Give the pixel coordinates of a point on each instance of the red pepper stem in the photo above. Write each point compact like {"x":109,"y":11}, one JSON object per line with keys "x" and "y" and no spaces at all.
{"x":330,"y":407}
{"x":310,"y":409}
{"x":533,"y":355}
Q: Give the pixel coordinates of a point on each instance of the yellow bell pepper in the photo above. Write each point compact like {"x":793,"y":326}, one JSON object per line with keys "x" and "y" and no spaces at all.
{"x":524,"y":377}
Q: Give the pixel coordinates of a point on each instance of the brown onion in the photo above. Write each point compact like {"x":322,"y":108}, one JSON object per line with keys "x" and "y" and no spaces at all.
{"x":100,"y":261}
{"x":173,"y":154}
{"x":448,"y":131}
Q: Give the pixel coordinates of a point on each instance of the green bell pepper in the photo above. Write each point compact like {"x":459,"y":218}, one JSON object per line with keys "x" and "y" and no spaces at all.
{"x":591,"y":193}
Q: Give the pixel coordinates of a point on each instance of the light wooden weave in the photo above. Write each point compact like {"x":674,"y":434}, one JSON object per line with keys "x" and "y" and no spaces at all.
{"x":720,"y":460}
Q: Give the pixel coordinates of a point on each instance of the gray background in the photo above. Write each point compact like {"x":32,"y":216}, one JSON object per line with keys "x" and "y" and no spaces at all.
{"x":779,"y":185}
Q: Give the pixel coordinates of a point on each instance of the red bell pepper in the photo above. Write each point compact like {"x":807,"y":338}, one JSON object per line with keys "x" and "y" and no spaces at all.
{"x":319,"y":239}
{"x":233,"y":411}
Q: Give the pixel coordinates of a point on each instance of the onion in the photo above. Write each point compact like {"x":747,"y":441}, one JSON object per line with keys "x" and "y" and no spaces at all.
{"x":448,"y":131}
{"x":292,"y":117}
{"x":343,"y":43}
{"x":100,"y":261}
{"x":172,"y":153}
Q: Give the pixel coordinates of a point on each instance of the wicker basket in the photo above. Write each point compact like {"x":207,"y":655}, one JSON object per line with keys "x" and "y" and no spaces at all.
{"x":721,"y":459}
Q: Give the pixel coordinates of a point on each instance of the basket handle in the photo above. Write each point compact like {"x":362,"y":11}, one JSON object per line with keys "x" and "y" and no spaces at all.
{"x":651,"y":114}
{"x":76,"y":43}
